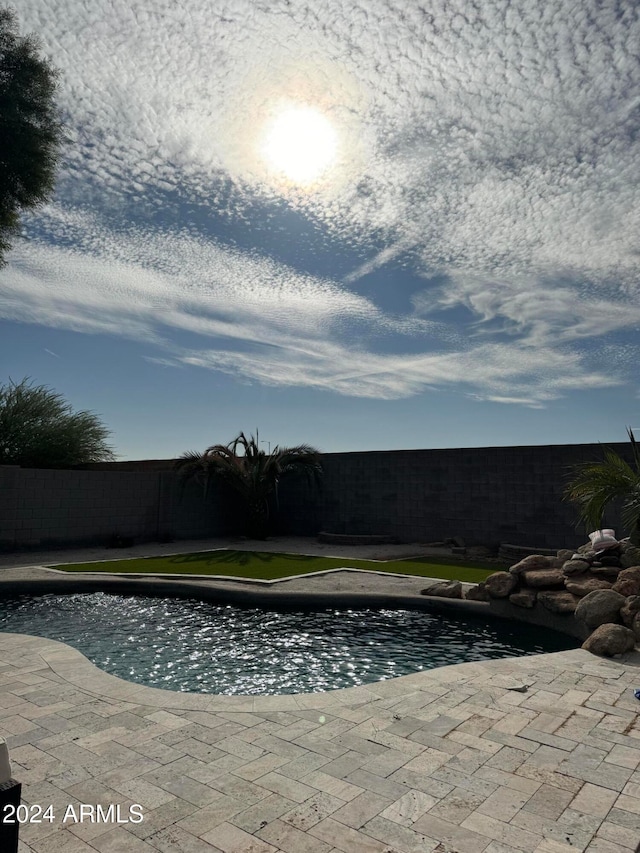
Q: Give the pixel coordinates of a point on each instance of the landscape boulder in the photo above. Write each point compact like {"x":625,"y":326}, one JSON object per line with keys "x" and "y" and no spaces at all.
{"x":575,"y":567}
{"x":629,"y":610}
{"x":543,"y":578}
{"x":524,"y":598}
{"x":558,"y":602}
{"x":477,"y":593}
{"x":584,"y":584}
{"x":607,"y":572}
{"x":596,"y":587}
{"x":600,"y":607}
{"x":628,"y":581}
{"x":609,"y":640}
{"x":630,"y":555}
{"x":587,"y":552}
{"x":564,"y":554}
{"x":501,"y":584}
{"x":532,"y":563}
{"x":444,"y":589}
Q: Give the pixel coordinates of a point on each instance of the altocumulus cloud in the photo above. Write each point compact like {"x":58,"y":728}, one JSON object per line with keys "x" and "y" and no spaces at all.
{"x":493,"y":146}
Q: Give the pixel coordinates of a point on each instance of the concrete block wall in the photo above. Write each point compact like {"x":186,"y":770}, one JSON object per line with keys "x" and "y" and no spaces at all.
{"x":49,"y":507}
{"x":485,"y":495}
{"x":75,"y":507}
{"x":191,"y":515}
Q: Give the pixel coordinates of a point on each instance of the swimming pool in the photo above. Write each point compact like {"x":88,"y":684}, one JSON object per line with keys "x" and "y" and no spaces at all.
{"x":199,"y":646}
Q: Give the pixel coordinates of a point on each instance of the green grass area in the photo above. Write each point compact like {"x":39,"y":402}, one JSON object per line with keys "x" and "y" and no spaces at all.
{"x":260,"y":565}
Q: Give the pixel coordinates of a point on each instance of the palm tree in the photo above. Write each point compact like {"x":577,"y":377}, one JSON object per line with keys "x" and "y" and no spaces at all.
{"x":252,"y":473}
{"x":597,"y":484}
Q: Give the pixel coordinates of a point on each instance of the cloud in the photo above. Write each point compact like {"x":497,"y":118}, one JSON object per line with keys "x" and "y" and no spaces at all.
{"x":493,"y":147}
{"x":210,"y":306}
{"x":156,"y":287}
{"x":544,"y":312}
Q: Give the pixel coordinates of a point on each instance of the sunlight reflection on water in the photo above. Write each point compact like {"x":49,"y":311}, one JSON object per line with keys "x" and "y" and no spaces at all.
{"x":198,"y":646}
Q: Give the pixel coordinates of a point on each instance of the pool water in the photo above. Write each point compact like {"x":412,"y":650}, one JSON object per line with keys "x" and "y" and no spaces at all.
{"x":199,"y":646}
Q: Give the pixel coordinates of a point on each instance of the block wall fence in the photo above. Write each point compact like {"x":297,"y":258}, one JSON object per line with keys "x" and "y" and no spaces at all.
{"x":44,"y":508}
{"x":486,"y":495}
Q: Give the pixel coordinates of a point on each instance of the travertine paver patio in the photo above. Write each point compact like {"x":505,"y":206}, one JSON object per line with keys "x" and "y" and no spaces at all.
{"x":531,"y":754}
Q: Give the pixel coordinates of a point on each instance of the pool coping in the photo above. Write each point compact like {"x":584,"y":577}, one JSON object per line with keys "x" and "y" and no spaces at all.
{"x":239,"y":579}
{"x":72,"y":666}
{"x":264,"y":594}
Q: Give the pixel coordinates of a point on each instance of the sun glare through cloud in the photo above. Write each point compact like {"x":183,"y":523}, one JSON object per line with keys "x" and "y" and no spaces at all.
{"x":300,"y":143}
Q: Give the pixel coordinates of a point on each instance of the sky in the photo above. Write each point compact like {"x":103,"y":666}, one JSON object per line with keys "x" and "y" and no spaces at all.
{"x":377,"y":225}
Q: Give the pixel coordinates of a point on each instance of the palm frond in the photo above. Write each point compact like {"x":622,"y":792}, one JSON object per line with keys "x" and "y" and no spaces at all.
{"x":303,"y":459}
{"x":631,"y":510}
{"x":597,"y":484}
{"x":634,"y":448}
{"x":251,"y":472}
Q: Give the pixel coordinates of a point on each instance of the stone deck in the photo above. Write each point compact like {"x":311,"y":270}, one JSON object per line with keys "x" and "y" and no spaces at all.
{"x":532,"y":754}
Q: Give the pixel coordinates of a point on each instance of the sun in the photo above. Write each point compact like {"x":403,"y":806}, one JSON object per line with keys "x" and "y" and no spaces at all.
{"x":300,"y":143}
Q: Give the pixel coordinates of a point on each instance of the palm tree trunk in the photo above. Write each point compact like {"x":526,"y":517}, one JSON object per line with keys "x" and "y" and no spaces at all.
{"x":257,"y":520}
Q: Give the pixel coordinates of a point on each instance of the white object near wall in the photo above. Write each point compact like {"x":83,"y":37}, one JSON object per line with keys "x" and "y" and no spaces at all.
{"x":603,"y":539}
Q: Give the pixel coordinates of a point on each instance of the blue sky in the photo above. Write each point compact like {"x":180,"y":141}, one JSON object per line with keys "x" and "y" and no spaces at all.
{"x":372,"y":226}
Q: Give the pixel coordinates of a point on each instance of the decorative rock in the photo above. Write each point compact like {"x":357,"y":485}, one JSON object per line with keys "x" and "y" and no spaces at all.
{"x":501,"y":584}
{"x":575,"y":567}
{"x":586,"y":551}
{"x":609,"y":640}
{"x":600,"y":607}
{"x":477,"y":593}
{"x":565,"y":554}
{"x":524,"y":598}
{"x":628,"y":582}
{"x":611,"y":560}
{"x":558,"y":602}
{"x":600,"y":587}
{"x":630,"y":556}
{"x":544,"y":578}
{"x":583,"y":585}
{"x":609,"y":572}
{"x":445,"y":589}
{"x":629,"y":610}
{"x":532,"y":563}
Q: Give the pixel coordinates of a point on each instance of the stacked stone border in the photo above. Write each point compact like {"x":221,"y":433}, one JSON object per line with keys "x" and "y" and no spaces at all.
{"x":594,"y":596}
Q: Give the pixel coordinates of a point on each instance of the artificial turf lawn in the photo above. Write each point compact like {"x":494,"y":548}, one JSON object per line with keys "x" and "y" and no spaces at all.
{"x":260,"y":565}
